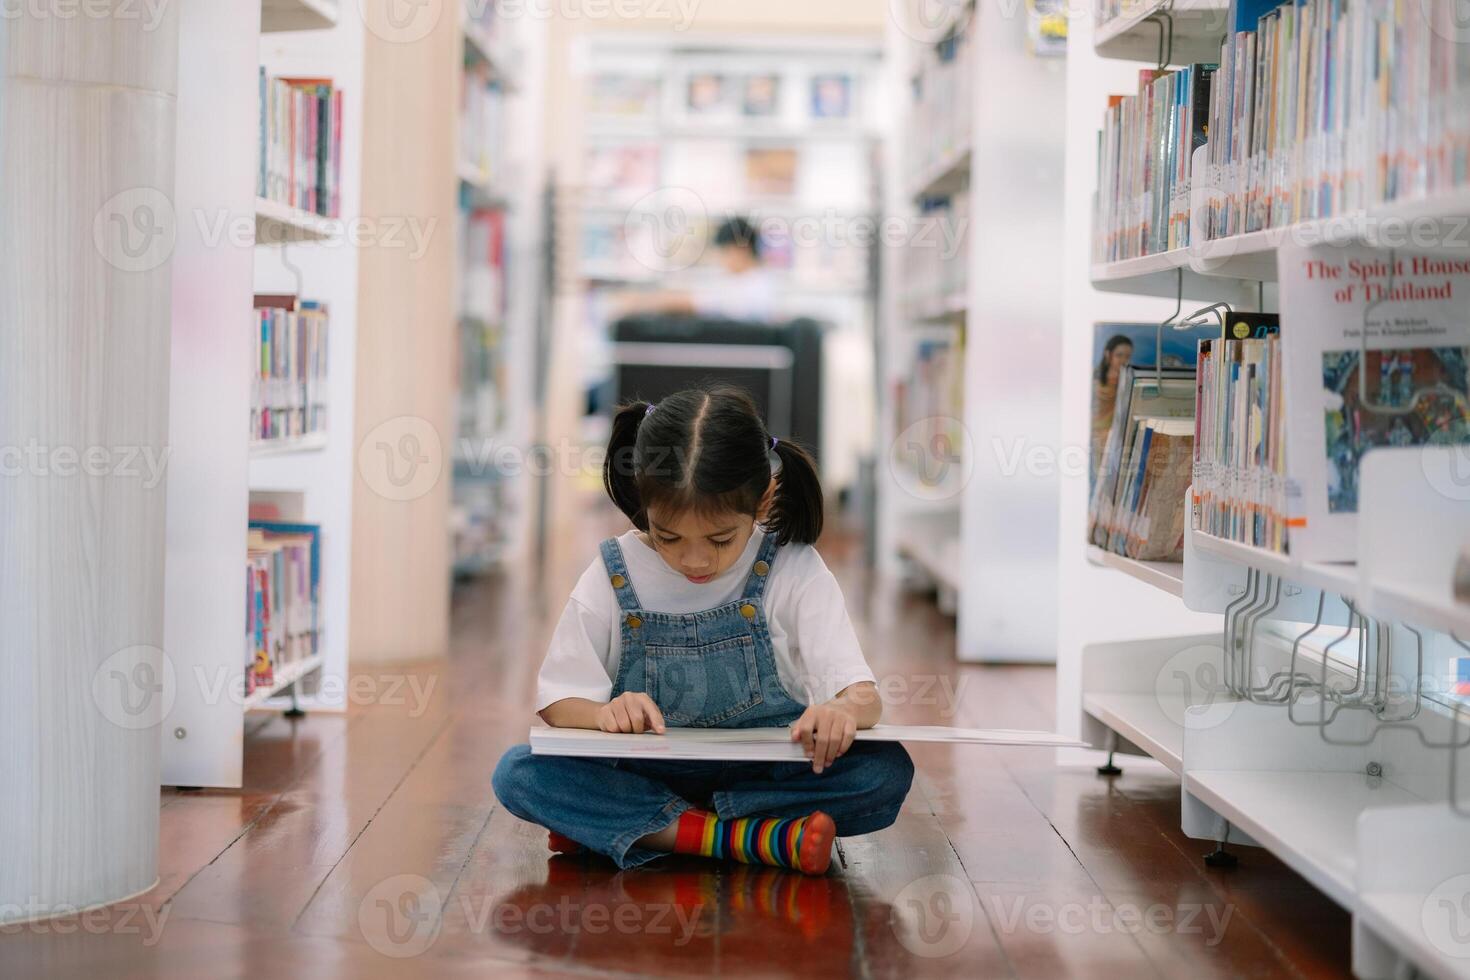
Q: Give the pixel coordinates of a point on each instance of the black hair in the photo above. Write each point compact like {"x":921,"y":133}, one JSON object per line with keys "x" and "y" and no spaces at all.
{"x":738,"y":231}
{"x":1114,"y":342}
{"x":707,"y":449}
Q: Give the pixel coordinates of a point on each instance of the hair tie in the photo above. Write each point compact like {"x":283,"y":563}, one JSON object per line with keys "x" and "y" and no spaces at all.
{"x":774,"y":440}
{"x":648,"y":411}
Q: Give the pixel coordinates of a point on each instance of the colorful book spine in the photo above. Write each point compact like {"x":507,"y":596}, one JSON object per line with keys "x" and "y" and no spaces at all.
{"x":289,"y":381}
{"x":301,"y":144}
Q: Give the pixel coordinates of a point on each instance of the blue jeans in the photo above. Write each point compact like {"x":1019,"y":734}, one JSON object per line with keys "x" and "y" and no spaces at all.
{"x":608,"y":804}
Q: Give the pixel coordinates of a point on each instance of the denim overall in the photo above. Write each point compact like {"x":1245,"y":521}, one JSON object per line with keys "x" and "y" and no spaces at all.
{"x":710,"y":669}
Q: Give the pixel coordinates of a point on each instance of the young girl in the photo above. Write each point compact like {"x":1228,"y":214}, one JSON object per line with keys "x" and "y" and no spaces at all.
{"x":715,"y":612}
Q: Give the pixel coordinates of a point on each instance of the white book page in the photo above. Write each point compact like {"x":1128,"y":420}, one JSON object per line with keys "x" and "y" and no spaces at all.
{"x":762,"y":743}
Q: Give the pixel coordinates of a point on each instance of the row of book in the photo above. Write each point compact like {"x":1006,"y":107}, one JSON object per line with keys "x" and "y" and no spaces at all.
{"x":940,"y":116}
{"x":1371,"y":349}
{"x":1143,"y":163}
{"x":288,"y":381}
{"x":282,"y":590}
{"x":1143,"y":437}
{"x":482,"y":122}
{"x":1326,"y":108}
{"x":1239,"y":467}
{"x":300,"y":144}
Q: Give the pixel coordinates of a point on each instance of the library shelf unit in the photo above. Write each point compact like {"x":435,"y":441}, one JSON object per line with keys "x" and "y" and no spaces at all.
{"x":281,"y":224}
{"x":1360,"y":805}
{"x":496,"y":304}
{"x":298,"y":15}
{"x":1137,"y":32}
{"x":218,"y":476}
{"x":969,"y":350}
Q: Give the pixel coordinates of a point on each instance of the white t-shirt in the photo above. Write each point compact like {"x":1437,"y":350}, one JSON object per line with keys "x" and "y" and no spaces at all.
{"x":816,"y":649}
{"x":751,"y":295}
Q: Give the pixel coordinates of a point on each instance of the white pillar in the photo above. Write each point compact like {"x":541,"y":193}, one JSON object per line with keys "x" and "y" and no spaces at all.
{"x":86,"y":232}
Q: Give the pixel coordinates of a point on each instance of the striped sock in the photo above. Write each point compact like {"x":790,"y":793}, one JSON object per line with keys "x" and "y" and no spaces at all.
{"x":802,"y":843}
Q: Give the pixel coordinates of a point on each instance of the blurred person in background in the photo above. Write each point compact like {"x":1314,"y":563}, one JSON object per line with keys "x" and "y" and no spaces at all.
{"x":740,"y":287}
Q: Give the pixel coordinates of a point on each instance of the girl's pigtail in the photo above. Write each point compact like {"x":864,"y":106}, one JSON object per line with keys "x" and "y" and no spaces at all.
{"x":619,"y":476}
{"x":797,"y":510}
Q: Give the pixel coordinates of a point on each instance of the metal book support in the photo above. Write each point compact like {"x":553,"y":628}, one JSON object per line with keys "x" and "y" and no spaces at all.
{"x":1164,"y":21}
{"x":1370,"y":675}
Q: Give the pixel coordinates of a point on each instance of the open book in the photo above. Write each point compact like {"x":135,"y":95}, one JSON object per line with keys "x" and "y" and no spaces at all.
{"x":762,"y":744}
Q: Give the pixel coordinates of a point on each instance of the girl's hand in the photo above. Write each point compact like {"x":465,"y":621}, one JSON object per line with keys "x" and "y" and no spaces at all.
{"x":826,"y":731}
{"x":630,"y":712}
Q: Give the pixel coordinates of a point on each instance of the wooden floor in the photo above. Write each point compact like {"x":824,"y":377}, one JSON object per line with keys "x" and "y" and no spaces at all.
{"x":369,"y":844}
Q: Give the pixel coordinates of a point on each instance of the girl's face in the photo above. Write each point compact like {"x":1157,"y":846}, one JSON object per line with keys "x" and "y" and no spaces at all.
{"x":699,"y":546}
{"x":1121,"y":355}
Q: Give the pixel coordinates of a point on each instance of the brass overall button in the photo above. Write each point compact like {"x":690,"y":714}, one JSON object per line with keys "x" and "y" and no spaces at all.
{"x":618,"y":581}
{"x":748,"y":611}
{"x":634,"y":622}
{"x":762,"y":568}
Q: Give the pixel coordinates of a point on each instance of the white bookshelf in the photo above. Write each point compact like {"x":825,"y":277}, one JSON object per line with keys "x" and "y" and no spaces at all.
{"x":298,"y":15}
{"x":1360,"y":812}
{"x":498,"y":500}
{"x":217,"y":472}
{"x":999,"y":317}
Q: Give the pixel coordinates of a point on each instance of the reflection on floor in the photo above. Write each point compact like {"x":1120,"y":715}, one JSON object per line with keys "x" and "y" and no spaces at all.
{"x":368,"y":844}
